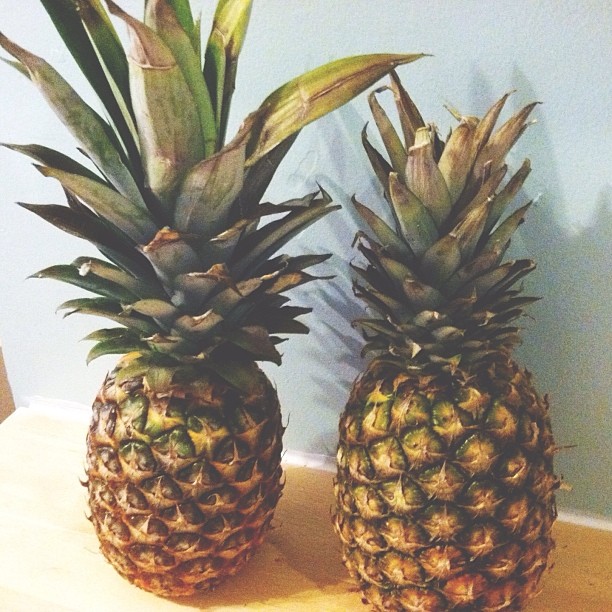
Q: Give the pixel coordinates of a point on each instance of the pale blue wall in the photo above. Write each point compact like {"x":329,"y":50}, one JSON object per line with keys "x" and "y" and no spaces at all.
{"x":556,"y":51}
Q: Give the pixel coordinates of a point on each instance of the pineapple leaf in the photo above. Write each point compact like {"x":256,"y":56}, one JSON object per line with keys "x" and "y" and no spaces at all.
{"x":409,"y":115}
{"x":182,"y":10}
{"x":413,"y":218}
{"x":477,"y":266}
{"x":421,"y":296}
{"x":85,"y":279}
{"x":123,"y":213}
{"x":382,"y":303}
{"x":290,"y":280}
{"x":110,"y":334}
{"x":209,"y":189}
{"x":458,"y":157}
{"x":198,"y":286}
{"x":17,"y":66}
{"x":382,"y":168}
{"x":256,"y":341}
{"x":167,"y":117}
{"x":89,"y":227}
{"x":299,"y":262}
{"x":164,"y":20}
{"x":389,"y":240}
{"x":507,"y":194}
{"x":498,"y":279}
{"x":221,"y":58}
{"x":224,"y":301}
{"x":109,"y":309}
{"x":441,"y":260}
{"x":256,"y":248}
{"x":485,"y":193}
{"x":116,"y":346}
{"x":94,"y":44}
{"x":161,"y":310}
{"x":240,"y":373}
{"x":55,"y":159}
{"x":171,"y":256}
{"x":393,"y":144}
{"x":469,"y":230}
{"x":259,"y":175}
{"x":499,"y":240}
{"x":487,"y":123}
{"x":202,"y":324}
{"x":137,"y":285}
{"x":500,"y":143}
{"x":424,"y":179}
{"x":316,"y":93}
{"x":89,"y":129}
{"x":286,"y":325}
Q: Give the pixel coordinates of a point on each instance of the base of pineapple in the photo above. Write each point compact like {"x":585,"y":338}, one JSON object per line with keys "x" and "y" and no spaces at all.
{"x":445,"y":489}
{"x":182,"y":482}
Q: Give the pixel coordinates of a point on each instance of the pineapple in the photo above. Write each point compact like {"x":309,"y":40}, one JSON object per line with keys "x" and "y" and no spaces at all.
{"x":445,"y":484}
{"x":184,"y":447}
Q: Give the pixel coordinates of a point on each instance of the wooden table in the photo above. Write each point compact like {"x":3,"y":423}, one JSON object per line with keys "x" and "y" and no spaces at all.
{"x":49,"y":559}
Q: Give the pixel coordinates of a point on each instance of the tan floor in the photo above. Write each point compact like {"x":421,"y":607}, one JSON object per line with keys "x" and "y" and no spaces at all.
{"x":49,"y":559}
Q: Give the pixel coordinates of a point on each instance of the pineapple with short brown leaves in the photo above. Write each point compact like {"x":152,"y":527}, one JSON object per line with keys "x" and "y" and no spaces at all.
{"x":184,"y":447}
{"x":445,"y":484}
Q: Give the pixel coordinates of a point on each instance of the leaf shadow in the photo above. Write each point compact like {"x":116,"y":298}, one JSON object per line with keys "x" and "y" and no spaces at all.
{"x":567,"y":346}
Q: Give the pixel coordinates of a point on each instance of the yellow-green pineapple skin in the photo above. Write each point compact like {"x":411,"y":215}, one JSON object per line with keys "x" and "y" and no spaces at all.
{"x":445,"y":492}
{"x":183,"y":484}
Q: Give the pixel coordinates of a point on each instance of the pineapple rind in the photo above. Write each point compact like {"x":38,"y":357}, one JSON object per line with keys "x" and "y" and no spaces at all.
{"x":183,"y":483}
{"x":479,"y":548}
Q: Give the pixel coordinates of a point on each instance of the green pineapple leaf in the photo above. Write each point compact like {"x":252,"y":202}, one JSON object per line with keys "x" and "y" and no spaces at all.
{"x":90,"y":130}
{"x":55,"y":159}
{"x":393,"y":144}
{"x":162,"y":19}
{"x":209,"y":189}
{"x":256,"y":341}
{"x":390,"y":241}
{"x":89,"y":281}
{"x":257,"y":247}
{"x":167,"y":117}
{"x":109,"y":309}
{"x":87,"y":226}
{"x":116,"y":346}
{"x":182,"y":10}
{"x":137,"y":285}
{"x":259,"y":175}
{"x":414,"y":220}
{"x":93,"y":42}
{"x":316,"y":93}
{"x":382,"y":168}
{"x":221,"y":58}
{"x":132,"y":218}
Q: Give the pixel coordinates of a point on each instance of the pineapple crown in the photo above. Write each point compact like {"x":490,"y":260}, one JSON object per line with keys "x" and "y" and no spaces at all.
{"x":443,"y":298}
{"x":190,"y":272}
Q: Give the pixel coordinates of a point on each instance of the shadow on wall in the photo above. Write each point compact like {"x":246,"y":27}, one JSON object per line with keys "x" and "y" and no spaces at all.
{"x":568,"y":347}
{"x":333,"y":348}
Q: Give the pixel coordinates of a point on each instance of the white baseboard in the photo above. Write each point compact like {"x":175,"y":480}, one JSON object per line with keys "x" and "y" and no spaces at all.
{"x":313,"y":461}
{"x":585,"y":520}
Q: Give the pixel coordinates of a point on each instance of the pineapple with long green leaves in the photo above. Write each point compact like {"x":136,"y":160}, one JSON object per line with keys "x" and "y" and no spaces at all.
{"x":445,"y":484}
{"x":184,"y":446}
